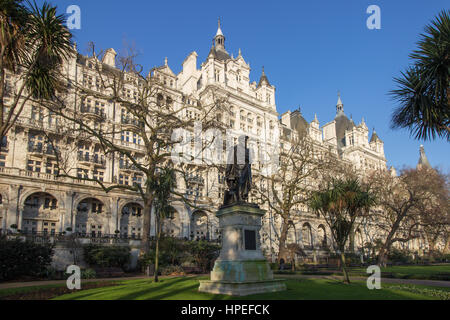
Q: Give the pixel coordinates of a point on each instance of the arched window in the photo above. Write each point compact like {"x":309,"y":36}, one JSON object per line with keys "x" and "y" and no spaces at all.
{"x":90,"y":218}
{"x":131,"y":221}
{"x":291,"y":236}
{"x":40,"y":214}
{"x":322,"y":236}
{"x":307,"y":236}
{"x":172,"y":224}
{"x":200,"y":226}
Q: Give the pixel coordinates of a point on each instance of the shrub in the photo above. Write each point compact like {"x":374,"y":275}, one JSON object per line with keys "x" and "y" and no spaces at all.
{"x":274,"y":266}
{"x":23,"y":258}
{"x":172,"y":251}
{"x":107,"y":256}
{"x":400,"y":256}
{"x":172,"y":270}
{"x":203,"y":254}
{"x":88,"y":274}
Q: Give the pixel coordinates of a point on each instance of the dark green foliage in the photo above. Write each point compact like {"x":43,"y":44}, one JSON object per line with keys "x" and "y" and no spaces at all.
{"x":171,"y":270}
{"x":397,"y":256}
{"x":423,"y":89}
{"x":88,"y":274}
{"x":203,"y":254}
{"x":20,"y":259}
{"x":107,"y":256}
{"x":175,"y":252}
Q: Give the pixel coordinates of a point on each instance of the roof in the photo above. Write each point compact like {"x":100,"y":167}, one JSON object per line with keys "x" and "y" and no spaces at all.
{"x":298,"y":123}
{"x":375,"y":137}
{"x":263,"y":79}
{"x":219,"y":54}
{"x":342,"y":124}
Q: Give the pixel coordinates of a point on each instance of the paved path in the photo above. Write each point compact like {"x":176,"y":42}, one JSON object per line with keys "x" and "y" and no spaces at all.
{"x":434,"y":283}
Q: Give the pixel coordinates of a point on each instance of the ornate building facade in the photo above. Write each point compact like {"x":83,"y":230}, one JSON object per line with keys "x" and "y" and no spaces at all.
{"x":35,"y":200}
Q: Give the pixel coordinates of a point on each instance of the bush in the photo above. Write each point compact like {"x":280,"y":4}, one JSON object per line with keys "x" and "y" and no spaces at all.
{"x":350,"y":258}
{"x":274,"y":266}
{"x":172,"y":270}
{"x":88,"y":274}
{"x":172,"y":251}
{"x":23,"y":259}
{"x":400,"y":256}
{"x":107,"y":256}
{"x":203,"y":254}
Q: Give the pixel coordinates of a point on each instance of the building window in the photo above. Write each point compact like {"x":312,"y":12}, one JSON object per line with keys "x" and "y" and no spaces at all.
{"x":98,"y":175}
{"x":51,"y":168}
{"x":82,"y":173}
{"x":2,"y":160}
{"x":34,"y":166}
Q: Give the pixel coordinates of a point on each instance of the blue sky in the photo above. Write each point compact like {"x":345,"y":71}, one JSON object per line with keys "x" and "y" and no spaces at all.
{"x":310,"y":50}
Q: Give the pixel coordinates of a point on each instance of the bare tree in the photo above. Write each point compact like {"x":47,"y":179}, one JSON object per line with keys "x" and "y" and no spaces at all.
{"x":408,"y":204}
{"x":151,"y":113}
{"x":287,"y":191}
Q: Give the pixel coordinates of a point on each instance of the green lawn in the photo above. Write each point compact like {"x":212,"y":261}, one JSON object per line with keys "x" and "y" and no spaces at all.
{"x":11,"y":291}
{"x":414,"y":272}
{"x":433,"y":272}
{"x":298,"y":289}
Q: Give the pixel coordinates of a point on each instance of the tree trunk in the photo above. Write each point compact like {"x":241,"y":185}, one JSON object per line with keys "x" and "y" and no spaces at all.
{"x":158,"y":235}
{"x":382,"y":256}
{"x":344,"y":267}
{"x":282,"y":250}
{"x":145,"y":246}
{"x":447,"y":242}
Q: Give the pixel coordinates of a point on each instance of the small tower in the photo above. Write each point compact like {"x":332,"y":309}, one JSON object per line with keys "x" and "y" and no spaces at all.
{"x":263,"y":80}
{"x":219,"y":39}
{"x":423,"y":160}
{"x":339,"y":105}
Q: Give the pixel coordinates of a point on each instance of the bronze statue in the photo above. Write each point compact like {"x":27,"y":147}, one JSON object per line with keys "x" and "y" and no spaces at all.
{"x":238,"y":175}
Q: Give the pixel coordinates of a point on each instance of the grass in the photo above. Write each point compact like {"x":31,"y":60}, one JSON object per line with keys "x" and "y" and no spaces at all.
{"x":433,"y":272}
{"x":45,"y":292}
{"x":186,"y":288}
{"x":24,"y":290}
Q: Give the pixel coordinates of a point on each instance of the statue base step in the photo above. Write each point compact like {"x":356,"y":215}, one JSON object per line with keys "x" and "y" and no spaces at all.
{"x":241,"y":288}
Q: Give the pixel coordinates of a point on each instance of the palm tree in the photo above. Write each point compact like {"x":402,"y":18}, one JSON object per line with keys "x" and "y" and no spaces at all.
{"x":164,"y":184}
{"x":340,"y":204}
{"x":13,"y":20}
{"x":34,"y":42}
{"x":423,"y":89}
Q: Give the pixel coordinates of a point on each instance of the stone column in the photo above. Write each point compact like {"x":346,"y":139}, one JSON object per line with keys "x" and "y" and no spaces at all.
{"x":19,"y":218}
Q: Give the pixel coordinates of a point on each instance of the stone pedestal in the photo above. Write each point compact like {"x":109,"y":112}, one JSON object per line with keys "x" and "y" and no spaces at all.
{"x":241,"y":269}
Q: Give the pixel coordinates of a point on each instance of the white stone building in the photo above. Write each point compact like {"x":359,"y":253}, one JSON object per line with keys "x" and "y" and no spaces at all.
{"x":34,"y":199}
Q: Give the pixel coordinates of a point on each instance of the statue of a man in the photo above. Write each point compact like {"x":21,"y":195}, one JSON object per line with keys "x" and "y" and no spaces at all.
{"x":238,"y":173}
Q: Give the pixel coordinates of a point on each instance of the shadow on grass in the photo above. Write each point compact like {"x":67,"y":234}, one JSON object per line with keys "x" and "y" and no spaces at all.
{"x":297,"y":289}
{"x":161,"y":285}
